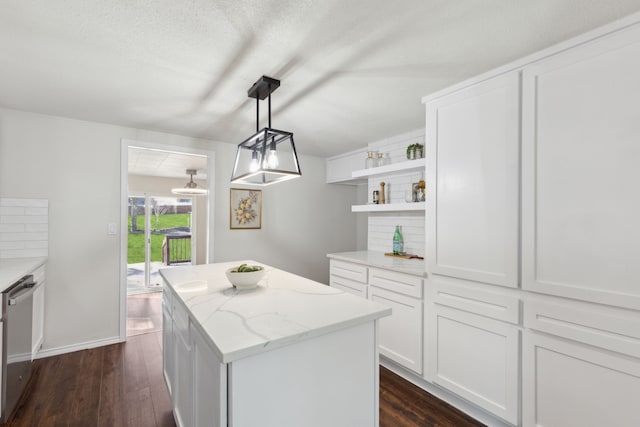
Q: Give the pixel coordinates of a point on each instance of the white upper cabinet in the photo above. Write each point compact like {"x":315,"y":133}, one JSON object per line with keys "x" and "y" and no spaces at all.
{"x":581,"y":171}
{"x":473,"y":149}
{"x":341,"y":167}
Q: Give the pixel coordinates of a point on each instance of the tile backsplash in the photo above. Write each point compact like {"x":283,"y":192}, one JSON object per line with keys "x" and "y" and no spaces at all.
{"x":24,"y":228}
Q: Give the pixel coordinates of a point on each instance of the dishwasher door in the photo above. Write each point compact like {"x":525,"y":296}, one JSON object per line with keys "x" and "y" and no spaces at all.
{"x":17,"y":316}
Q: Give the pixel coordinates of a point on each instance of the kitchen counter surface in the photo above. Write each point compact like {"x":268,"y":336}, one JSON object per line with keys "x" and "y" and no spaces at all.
{"x":378,"y":259}
{"x":283,"y":309}
{"x":12,"y":270}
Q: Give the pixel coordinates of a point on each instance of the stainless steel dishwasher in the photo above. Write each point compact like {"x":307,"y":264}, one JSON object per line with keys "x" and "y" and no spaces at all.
{"x":17,"y":319}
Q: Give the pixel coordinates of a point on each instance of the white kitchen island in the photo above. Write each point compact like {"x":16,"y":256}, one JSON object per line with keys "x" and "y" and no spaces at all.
{"x":291,"y":352}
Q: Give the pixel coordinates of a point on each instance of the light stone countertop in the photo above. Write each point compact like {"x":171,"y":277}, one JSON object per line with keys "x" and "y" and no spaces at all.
{"x":13,"y":269}
{"x":416,"y":267}
{"x":283,"y":309}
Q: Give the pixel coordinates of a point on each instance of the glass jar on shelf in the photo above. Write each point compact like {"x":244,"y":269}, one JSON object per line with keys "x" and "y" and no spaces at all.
{"x":371,"y":161}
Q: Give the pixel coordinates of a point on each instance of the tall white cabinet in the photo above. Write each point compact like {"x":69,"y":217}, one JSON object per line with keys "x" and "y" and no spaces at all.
{"x":472,"y":220}
{"x":581,"y":204}
{"x":533,"y":236}
{"x":473,"y":143}
{"x":581,"y":234}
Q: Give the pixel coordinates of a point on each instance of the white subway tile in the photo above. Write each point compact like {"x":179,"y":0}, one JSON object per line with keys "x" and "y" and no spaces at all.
{"x":23,"y":253}
{"x":12,"y":210}
{"x":36,"y":227}
{"x":36,"y":244}
{"x":12,"y":228}
{"x":24,"y":202}
{"x":15,"y":237}
{"x":24,"y":219}
{"x":36,"y":211}
{"x":11,"y":245}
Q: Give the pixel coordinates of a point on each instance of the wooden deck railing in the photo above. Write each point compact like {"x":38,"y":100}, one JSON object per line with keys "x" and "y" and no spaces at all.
{"x":176,"y":249}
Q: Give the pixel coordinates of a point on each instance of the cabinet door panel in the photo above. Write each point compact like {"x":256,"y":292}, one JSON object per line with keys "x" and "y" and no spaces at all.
{"x":567,"y":384}
{"x":581,"y":154}
{"x":473,"y":149}
{"x":476,"y":358}
{"x":168,"y":349}
{"x":400,"y":335}
{"x":210,"y":385}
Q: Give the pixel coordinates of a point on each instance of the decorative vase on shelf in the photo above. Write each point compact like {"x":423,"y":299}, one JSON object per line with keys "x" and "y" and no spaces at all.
{"x":419,"y":151}
{"x":411,"y":152}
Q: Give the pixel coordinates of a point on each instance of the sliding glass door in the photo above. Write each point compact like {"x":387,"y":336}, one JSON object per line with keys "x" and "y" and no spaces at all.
{"x":160,"y":236}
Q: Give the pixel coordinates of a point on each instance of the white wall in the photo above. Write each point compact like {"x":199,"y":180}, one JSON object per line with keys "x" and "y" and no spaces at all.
{"x":76,"y":166}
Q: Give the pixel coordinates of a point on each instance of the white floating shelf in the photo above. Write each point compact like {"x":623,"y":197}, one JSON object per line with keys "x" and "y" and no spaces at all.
{"x":408,"y":166}
{"x":390,"y":207}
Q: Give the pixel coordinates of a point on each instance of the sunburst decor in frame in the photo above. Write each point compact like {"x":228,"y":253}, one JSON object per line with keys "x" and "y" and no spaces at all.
{"x":245,"y":209}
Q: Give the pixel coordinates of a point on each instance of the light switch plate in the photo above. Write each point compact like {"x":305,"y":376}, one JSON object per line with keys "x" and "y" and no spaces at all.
{"x":111,"y":229}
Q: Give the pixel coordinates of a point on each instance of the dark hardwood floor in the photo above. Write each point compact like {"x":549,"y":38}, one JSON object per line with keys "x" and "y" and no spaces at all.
{"x":122,"y":385}
{"x":144,"y":313}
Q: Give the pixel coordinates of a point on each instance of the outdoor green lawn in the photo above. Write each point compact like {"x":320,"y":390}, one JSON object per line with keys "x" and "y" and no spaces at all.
{"x":135,"y":247}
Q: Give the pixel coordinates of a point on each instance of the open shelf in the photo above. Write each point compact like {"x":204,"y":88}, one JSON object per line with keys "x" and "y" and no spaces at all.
{"x":390,"y":207}
{"x":408,"y":166}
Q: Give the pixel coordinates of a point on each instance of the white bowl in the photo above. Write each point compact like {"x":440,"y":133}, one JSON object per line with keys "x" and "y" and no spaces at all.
{"x":248,"y":280}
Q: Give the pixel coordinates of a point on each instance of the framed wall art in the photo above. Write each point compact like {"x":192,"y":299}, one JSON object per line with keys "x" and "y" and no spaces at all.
{"x":245,"y":209}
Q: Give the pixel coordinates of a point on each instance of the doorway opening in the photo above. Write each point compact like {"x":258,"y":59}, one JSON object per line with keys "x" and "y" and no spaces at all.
{"x":160,"y":229}
{"x":160,"y":235}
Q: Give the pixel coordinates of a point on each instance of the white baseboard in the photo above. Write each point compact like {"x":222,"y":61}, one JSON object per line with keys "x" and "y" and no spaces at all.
{"x":48,"y":352}
{"x":442,"y":394}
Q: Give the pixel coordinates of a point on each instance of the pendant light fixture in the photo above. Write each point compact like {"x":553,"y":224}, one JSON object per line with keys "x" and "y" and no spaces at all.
{"x":191,"y":188}
{"x":269,"y":155}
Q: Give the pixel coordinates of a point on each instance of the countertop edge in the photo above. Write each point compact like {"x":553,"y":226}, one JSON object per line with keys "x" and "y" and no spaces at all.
{"x":254,"y":350}
{"x":344,"y":256}
{"x":28,"y":265}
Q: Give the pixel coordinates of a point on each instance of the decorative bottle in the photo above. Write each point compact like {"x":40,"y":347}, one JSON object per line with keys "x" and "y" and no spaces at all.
{"x":398,"y":242}
{"x":371,"y":161}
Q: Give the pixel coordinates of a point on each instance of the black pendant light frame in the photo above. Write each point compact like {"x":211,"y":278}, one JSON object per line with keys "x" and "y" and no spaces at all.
{"x":264,"y":140}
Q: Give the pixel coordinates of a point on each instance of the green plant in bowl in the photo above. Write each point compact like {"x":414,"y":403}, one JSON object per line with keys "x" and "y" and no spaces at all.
{"x":245,"y":276}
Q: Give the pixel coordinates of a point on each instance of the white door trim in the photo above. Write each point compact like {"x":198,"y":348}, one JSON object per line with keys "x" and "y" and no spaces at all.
{"x":124,"y":184}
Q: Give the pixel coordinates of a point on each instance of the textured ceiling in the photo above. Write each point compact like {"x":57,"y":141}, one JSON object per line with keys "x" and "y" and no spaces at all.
{"x":143,"y":161}
{"x":351,"y":71}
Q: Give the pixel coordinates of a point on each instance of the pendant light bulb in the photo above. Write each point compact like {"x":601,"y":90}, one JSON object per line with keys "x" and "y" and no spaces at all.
{"x":273,"y":156}
{"x":254,"y":165}
{"x":273,"y":159}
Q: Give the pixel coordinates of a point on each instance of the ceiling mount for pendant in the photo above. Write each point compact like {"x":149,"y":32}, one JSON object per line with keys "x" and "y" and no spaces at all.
{"x":269,"y":155}
{"x":191,"y":188}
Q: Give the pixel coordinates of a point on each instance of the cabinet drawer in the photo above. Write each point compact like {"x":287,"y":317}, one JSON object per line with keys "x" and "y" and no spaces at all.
{"x":605,"y":327}
{"x":353,"y":287}
{"x":347,"y":270}
{"x":398,"y":282}
{"x":475,"y":298}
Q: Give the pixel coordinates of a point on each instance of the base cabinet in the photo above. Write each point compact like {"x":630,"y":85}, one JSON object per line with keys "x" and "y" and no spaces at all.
{"x":195,"y":378}
{"x":400,"y":335}
{"x":574,"y":385}
{"x":476,"y":358}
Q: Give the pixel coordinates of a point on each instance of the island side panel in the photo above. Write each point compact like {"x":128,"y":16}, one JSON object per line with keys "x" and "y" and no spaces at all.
{"x":330,"y":380}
